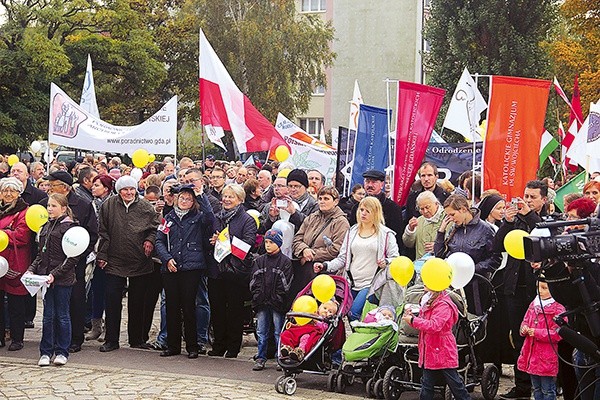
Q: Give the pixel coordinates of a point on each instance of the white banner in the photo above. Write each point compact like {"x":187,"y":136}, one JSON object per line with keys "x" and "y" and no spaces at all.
{"x":306,"y":151}
{"x":70,"y":125}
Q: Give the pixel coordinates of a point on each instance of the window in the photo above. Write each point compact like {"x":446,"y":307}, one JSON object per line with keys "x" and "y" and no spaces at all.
{"x":313,"y":5}
{"x":319,"y":90}
{"x":311,"y":126}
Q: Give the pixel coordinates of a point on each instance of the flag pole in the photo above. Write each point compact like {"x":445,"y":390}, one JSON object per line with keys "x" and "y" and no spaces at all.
{"x":472,"y":129}
{"x":389,"y":137}
{"x":560,"y":137}
{"x":487,"y":118}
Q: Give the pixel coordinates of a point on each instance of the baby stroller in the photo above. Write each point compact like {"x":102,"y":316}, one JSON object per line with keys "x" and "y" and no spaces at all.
{"x":469,"y":330}
{"x":318,"y":359}
{"x":369,"y":352}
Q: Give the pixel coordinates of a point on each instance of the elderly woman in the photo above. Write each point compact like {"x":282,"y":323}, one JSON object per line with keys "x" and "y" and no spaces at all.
{"x":228,"y":285}
{"x":592,"y":191}
{"x":319,"y":238}
{"x":18,"y":255}
{"x":182,"y":244}
{"x":421,"y":232}
{"x":367,"y":246}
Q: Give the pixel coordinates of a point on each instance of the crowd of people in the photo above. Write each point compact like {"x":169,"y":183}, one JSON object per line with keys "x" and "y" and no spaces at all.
{"x":159,"y":240}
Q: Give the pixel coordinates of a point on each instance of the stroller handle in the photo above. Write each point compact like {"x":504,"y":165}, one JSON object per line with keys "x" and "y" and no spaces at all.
{"x":304,"y":315}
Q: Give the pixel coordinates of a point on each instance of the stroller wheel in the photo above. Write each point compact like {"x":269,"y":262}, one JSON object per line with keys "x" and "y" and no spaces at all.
{"x":331,"y":381}
{"x":391,"y":388}
{"x":279,"y":384}
{"x":341,"y":383}
{"x":370,"y":387}
{"x":490,"y":380}
{"x":379,"y":389}
{"x":289,"y":386}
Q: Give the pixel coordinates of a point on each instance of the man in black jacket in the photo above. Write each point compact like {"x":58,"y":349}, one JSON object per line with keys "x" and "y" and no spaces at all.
{"x":519,"y":279}
{"x":392,"y":212}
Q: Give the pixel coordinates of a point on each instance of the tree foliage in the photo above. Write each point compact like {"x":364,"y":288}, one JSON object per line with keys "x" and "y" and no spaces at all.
{"x":576,"y":51}
{"x":489,"y":37}
{"x":144,"y":52}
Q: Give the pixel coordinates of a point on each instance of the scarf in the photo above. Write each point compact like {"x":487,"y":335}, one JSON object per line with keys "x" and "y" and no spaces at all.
{"x":302,"y":199}
{"x":227,"y":215}
{"x":179,"y":212}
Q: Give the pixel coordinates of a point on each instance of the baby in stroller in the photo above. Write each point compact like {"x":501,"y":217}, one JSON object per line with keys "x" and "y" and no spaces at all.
{"x":298,"y":340}
{"x":380,"y":315}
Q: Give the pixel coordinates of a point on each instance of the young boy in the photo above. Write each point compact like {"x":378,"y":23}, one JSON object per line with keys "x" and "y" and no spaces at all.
{"x":271,"y":279}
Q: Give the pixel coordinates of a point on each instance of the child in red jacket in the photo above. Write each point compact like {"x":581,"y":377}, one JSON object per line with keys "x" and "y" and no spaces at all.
{"x":438,"y":353}
{"x":539,"y":352}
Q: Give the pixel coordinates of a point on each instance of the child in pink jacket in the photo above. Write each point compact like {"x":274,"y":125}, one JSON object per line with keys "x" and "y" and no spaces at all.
{"x":438,"y":353}
{"x":538,"y":355}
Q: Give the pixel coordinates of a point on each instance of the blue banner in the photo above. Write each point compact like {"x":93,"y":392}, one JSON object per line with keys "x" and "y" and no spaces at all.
{"x":371,"y":144}
{"x":452,"y":159}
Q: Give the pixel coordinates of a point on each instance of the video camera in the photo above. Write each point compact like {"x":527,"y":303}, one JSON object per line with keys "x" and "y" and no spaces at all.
{"x":583,"y":244}
{"x":175,"y":189}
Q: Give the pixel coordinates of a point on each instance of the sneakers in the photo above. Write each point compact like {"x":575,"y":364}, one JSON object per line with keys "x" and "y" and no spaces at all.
{"x":158,"y":346}
{"x":259,"y":365}
{"x":201,"y":348}
{"x":297,"y":354}
{"x":60,"y":360}
{"x":44,"y":361}
{"x":516,"y":393}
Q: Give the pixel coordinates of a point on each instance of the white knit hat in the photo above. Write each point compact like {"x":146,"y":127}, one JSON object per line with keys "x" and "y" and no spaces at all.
{"x":124,"y":182}
{"x":11,"y":182}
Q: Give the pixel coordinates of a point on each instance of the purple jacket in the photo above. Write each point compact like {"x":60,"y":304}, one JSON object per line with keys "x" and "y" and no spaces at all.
{"x":538,"y":354}
{"x":437,"y":344}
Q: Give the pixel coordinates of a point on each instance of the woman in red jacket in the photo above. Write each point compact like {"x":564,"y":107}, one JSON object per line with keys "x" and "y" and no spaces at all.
{"x":438,"y":353}
{"x":18,"y":255}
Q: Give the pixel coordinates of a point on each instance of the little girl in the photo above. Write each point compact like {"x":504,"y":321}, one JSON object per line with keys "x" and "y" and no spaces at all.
{"x":298,"y":340}
{"x":538,"y":355}
{"x":52,"y":261}
{"x":438,"y":353}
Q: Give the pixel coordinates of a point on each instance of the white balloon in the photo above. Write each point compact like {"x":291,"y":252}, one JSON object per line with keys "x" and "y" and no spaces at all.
{"x":75,"y":241}
{"x":463,"y":269}
{"x":288,"y":236}
{"x":542,"y":232}
{"x":3,"y":266}
{"x":136,"y":174}
{"x":36,"y":146}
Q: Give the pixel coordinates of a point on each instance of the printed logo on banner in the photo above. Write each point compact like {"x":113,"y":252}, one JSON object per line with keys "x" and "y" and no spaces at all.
{"x":67,"y":119}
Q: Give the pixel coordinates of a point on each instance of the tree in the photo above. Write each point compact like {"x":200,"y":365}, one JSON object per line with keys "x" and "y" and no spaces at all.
{"x":576,"y":51}
{"x":491,"y":37}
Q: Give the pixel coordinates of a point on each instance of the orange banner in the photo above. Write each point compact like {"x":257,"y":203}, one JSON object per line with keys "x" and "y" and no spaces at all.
{"x":514,"y":130}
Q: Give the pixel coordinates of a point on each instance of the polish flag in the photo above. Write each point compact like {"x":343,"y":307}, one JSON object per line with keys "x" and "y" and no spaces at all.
{"x":225,"y":108}
{"x":239,"y":248}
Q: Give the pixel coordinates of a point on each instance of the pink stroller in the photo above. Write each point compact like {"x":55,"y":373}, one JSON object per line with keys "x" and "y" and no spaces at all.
{"x":319,"y":359}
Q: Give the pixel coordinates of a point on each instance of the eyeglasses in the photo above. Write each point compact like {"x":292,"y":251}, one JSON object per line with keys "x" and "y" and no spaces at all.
{"x":186,"y":199}
{"x":58,"y":184}
{"x":9,"y":191}
{"x":294,"y":186}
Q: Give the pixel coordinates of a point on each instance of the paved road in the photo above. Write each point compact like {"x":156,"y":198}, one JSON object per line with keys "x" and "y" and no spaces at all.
{"x":142,"y":374}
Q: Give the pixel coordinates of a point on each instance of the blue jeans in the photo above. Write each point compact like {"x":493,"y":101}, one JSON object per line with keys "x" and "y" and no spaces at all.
{"x":360,"y":298}
{"x":161,"y":339}
{"x":266,"y":319}
{"x":453,"y":380}
{"x":202,"y":311}
{"x":589,"y":385}
{"x":56,"y":325}
{"x":544,"y":387}
{"x":97,"y":287}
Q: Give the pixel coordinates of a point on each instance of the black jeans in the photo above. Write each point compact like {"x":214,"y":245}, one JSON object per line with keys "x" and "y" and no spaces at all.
{"x":516,"y":307}
{"x":138,"y":286}
{"x":226,"y":297}
{"x":155,"y":286}
{"x":16,"y":313}
{"x":78,"y":305}
{"x":180,"y":296}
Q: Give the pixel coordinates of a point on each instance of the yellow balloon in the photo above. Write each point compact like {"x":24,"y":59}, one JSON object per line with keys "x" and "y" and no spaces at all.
{"x":151,"y":158}
{"x":282,"y":153}
{"x":402,"y":270}
{"x":35,"y":217}
{"x":256,"y":215}
{"x":12,"y":159}
{"x":513,"y":243}
{"x":3,"y":240}
{"x":284,"y":173}
{"x":436,"y":274}
{"x":304,"y":304}
{"x":323,"y":288}
{"x":140,"y":158}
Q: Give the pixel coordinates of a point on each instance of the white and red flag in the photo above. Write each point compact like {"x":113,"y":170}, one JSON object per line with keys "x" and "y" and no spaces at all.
{"x":239,"y":248}
{"x":225,"y":108}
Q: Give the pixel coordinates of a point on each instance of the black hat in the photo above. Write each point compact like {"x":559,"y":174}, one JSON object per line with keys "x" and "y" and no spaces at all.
{"x":299,"y":176}
{"x":62,"y":176}
{"x":210,"y":157}
{"x":374,"y":174}
{"x":487,"y":204}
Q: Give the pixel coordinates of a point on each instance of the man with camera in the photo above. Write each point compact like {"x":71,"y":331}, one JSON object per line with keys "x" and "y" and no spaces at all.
{"x":519,"y":278}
